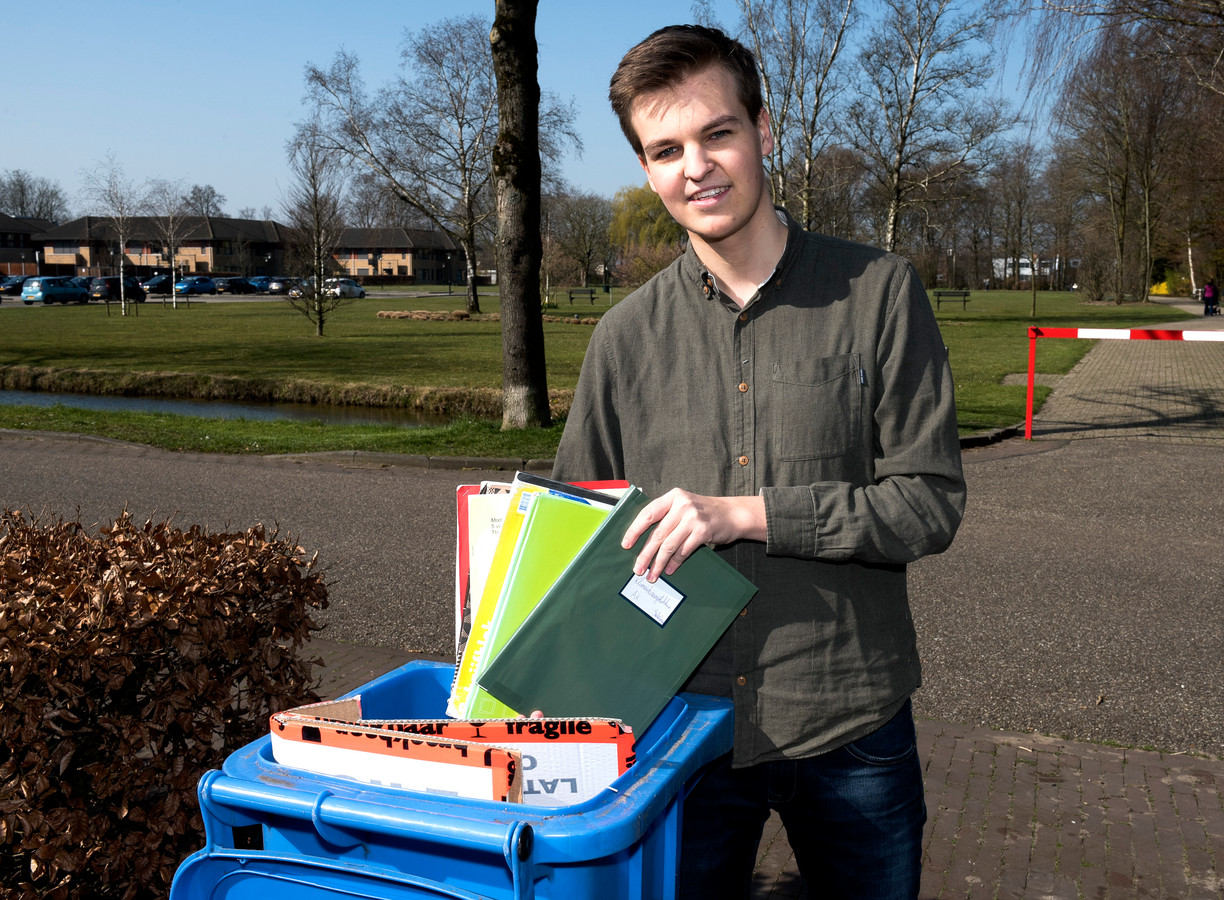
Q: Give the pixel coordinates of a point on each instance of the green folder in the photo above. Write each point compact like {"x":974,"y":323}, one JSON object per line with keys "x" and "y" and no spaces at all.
{"x":554,"y":530}
{"x":605,"y":643}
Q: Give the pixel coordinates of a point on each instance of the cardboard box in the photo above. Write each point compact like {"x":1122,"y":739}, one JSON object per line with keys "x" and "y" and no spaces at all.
{"x":539,"y":762}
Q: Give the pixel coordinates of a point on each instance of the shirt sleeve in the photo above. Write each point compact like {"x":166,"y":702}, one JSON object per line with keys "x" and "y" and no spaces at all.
{"x":590,"y":447}
{"x":912,"y":503}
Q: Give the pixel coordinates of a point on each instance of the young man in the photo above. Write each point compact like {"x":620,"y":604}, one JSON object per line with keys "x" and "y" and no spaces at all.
{"x":787,"y":398}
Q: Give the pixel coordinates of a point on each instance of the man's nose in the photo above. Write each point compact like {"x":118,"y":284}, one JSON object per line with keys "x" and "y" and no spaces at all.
{"x":697,"y":163}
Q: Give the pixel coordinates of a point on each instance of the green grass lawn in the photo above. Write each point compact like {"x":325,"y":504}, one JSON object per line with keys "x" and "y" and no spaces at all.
{"x":268,"y":346}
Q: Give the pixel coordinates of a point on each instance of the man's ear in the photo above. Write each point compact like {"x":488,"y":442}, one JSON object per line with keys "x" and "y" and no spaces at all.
{"x":765,"y":132}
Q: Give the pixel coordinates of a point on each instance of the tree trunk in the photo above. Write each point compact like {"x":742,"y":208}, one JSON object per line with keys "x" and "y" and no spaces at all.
{"x":516,"y":170}
{"x":1034,"y":269}
{"x":1190,"y":264}
{"x":468,"y":244}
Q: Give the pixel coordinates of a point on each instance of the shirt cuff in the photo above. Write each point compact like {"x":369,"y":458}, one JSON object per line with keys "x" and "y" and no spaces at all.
{"x":790,"y":521}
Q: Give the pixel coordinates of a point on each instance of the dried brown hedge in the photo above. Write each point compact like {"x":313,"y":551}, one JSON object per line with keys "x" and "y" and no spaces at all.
{"x":131,"y":662}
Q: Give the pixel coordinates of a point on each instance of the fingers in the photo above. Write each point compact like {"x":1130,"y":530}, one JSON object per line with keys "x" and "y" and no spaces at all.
{"x":680,"y":527}
{"x":652,"y":512}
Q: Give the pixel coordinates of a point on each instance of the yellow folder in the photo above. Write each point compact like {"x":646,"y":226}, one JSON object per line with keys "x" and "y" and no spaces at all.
{"x":554,"y":529}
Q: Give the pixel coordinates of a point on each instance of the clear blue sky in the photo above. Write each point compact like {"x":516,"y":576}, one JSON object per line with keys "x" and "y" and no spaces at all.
{"x":209,"y":92}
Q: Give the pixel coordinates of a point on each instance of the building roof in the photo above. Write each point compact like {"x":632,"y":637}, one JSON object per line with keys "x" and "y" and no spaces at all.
{"x":195,"y":228}
{"x":396,"y":239}
{"x":22,"y":224}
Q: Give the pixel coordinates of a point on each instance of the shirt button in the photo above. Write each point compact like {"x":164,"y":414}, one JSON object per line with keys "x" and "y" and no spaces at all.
{"x":743,"y":460}
{"x":741,"y":681}
{"x":743,"y":612}
{"x":743,"y":317}
{"x":743,"y":387}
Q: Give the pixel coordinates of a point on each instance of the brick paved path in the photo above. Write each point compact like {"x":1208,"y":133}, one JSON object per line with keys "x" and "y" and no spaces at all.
{"x":1010,"y":815}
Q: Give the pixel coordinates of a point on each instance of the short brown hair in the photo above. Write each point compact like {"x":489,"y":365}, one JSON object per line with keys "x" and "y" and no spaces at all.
{"x":673,"y":54}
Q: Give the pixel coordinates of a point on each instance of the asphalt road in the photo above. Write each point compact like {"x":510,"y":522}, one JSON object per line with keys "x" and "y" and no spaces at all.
{"x":1081,"y":597}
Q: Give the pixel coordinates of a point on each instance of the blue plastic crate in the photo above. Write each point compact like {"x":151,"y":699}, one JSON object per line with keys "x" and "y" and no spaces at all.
{"x":272,"y":831}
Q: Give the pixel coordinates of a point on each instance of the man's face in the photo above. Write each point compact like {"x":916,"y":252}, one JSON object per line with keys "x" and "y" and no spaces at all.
{"x":702,"y":155}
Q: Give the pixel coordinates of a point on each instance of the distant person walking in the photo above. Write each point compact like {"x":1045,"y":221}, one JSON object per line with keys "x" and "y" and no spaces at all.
{"x":1211,"y":298}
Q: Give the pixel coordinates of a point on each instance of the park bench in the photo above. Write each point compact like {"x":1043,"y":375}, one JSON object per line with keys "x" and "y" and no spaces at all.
{"x":589,"y":293}
{"x":962,"y":296}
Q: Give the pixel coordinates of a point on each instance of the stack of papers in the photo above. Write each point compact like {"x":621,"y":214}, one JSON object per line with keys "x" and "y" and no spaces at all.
{"x":562,"y":624}
{"x":521,"y":537}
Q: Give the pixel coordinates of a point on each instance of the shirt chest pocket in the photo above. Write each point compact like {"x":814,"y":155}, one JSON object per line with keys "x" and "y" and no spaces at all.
{"x":819,"y":407}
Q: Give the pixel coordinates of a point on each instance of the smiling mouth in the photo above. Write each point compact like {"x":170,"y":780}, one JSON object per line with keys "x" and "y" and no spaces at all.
{"x":709,"y":194}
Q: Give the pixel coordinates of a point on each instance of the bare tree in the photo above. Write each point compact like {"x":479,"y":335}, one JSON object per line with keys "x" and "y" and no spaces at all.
{"x":313,"y":209}
{"x":1066,"y":205}
{"x":1165,"y":122}
{"x":1014,"y":181}
{"x":25,"y":195}
{"x":118,"y":201}
{"x":920,"y":117}
{"x":372,"y":204}
{"x":203,"y":200}
{"x":1188,"y":32}
{"x":1095,"y":127}
{"x":798,"y":45}
{"x":1022,"y":184}
{"x":169,"y":213}
{"x":579,"y":225}
{"x":836,"y":193}
{"x":1126,"y":115}
{"x":516,"y":170}
{"x":429,"y":135}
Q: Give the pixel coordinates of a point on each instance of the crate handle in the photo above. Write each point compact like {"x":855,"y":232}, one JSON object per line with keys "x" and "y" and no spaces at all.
{"x":341,"y":840}
{"x":519,"y":846}
{"x":189,"y":883}
{"x":340,"y":816}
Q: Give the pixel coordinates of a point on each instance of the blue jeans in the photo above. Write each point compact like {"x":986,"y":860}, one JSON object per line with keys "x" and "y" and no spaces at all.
{"x":853,"y":817}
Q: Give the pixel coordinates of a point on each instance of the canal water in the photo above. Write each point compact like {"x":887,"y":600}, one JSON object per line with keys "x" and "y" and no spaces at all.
{"x":220,"y":409}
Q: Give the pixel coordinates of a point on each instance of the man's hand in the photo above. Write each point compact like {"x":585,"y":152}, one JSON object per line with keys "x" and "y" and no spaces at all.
{"x":684,"y":521}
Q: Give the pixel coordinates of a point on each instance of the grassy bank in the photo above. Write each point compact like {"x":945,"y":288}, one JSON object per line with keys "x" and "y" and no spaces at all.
{"x":431,"y":361}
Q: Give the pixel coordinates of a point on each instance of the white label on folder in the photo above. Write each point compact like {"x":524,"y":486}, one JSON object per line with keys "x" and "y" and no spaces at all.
{"x":658,"y":600}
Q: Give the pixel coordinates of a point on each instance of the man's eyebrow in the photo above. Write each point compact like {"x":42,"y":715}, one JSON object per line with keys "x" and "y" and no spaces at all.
{"x":713,"y":125}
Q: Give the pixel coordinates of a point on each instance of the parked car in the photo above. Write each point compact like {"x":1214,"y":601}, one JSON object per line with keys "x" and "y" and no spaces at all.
{"x":260,"y":283}
{"x":52,"y":289}
{"x":83,"y":282}
{"x":234,"y":286}
{"x":12,"y":284}
{"x":107,"y":288}
{"x":158,"y":284}
{"x":195,"y":284}
{"x":342,"y":287}
{"x":280,"y":284}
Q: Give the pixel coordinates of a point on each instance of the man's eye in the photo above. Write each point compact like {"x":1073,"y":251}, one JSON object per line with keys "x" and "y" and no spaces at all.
{"x":665,"y":153}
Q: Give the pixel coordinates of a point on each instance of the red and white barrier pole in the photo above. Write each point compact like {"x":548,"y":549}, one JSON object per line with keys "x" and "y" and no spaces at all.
{"x":1116,"y":334}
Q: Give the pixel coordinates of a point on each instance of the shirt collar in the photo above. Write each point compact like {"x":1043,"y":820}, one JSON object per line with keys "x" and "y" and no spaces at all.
{"x":696,"y":271}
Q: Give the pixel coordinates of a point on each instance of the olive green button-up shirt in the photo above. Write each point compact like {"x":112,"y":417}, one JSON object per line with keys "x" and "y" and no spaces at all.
{"x":830,"y":395}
